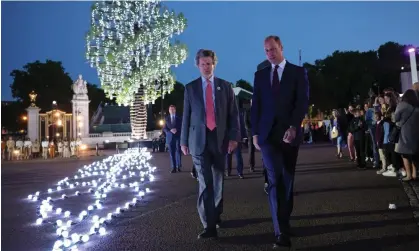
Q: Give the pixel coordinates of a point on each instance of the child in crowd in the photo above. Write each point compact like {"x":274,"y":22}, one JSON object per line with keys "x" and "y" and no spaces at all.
{"x":357,"y":127}
{"x":382,"y":133}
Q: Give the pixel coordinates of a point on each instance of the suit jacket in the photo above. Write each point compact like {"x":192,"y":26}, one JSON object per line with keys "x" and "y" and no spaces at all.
{"x":282,"y":109}
{"x":194,"y":117}
{"x":169,"y":126}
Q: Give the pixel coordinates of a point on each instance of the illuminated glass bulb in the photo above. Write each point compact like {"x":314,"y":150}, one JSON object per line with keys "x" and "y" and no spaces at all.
{"x":67,"y":243}
{"x":90,"y":208}
{"x":65,"y":233}
{"x":67,"y":214}
{"x":49,"y":190}
{"x":37,"y":193}
{"x":109,"y":216}
{"x":58,"y":211}
{"x":95,"y":218}
{"x":147,"y":190}
{"x":59,"y":222}
{"x":85,"y":238}
{"x":102,"y":231}
{"x":75,"y":237}
{"x":58,"y":188}
{"x":58,"y":244}
{"x":39,"y":221}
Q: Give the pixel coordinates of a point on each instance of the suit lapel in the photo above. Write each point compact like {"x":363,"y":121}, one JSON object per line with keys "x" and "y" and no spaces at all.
{"x":217,"y":94}
{"x":199,"y":92}
{"x":285,"y":75}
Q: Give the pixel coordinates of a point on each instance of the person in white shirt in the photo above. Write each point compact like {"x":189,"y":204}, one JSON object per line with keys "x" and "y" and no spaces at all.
{"x":73,"y":147}
{"x":45,"y":148}
{"x":28,"y":148}
{"x":10,"y":148}
{"x":19,"y":146}
{"x":60,"y":149}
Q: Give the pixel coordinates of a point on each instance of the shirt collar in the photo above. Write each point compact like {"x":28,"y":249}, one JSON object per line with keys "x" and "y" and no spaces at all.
{"x":204,"y":80}
{"x":281,"y":65}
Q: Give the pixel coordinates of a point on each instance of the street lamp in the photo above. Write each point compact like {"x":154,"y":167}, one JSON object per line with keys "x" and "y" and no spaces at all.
{"x":413,"y":67}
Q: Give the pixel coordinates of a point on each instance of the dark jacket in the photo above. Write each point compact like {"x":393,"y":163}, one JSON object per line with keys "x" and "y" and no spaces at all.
{"x":357,"y":127}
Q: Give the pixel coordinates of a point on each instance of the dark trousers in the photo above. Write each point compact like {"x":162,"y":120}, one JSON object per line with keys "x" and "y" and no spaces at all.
{"x":280,"y":164}
{"x":209,"y":167}
{"x":252,"y":150}
{"x":175,"y":155}
{"x":239,"y":160}
{"x":368,"y":146}
{"x":265,"y":173}
{"x":360,"y":151}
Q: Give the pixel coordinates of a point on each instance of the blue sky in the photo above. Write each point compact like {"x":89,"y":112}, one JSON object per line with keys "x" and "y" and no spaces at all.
{"x":235,"y":30}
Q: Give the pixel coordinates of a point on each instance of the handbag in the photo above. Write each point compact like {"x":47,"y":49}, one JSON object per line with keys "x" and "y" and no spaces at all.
{"x":395,"y":132}
{"x":335,"y":132}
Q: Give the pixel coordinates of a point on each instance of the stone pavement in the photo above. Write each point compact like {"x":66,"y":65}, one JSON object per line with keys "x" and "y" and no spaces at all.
{"x":337,"y":207}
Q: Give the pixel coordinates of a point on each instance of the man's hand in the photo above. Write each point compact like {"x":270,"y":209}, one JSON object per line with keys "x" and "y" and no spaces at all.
{"x":231,"y":146}
{"x":290,"y":135}
{"x":255,"y":142}
{"x":185,"y":150}
{"x":173,"y":130}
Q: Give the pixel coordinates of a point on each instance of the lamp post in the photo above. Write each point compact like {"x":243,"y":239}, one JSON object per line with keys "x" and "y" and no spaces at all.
{"x":413,"y":67}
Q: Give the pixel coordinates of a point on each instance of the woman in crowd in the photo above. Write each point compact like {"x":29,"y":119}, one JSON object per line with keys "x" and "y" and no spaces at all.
{"x":407,"y":118}
{"x":388,"y":111}
{"x":337,"y":132}
{"x":348,"y":135}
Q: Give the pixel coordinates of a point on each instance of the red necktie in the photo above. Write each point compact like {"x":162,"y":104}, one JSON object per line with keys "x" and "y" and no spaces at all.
{"x":209,"y":107}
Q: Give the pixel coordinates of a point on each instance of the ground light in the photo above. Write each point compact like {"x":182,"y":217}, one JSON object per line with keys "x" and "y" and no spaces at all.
{"x":94,"y":180}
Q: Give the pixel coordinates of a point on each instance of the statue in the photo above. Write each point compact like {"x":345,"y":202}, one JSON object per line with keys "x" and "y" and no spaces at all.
{"x":80,"y":86}
{"x":32,"y":96}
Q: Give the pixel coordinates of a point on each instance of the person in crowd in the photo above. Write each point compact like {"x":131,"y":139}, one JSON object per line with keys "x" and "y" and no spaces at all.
{"x":357,"y":128}
{"x":237,"y":152}
{"x":36,"y":148}
{"x":407,"y":118}
{"x":388,"y":111}
{"x":382,"y":131}
{"x":44,"y":145}
{"x":337,"y":133}
{"x":345,"y":133}
{"x":371,"y":150}
{"x":10,"y":148}
{"x":172,"y":129}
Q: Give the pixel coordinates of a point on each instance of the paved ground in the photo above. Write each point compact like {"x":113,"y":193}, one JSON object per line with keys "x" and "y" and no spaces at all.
{"x":336,"y":208}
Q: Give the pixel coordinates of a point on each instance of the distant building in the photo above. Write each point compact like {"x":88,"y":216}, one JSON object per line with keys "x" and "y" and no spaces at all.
{"x":406,"y":81}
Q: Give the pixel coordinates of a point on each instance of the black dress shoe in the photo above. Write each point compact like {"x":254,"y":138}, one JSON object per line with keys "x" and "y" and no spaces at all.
{"x":173,"y":171}
{"x":178,"y":169}
{"x":282,"y":242}
{"x":241,"y":176}
{"x":208,"y":233}
{"x":252,"y":169}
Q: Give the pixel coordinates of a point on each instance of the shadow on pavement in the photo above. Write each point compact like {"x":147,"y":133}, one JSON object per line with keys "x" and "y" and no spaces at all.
{"x":346,"y":214}
{"x":244,"y":222}
{"x":333,"y":228}
{"x":254,"y":239}
{"x":339,"y":189}
{"x":377,"y":244}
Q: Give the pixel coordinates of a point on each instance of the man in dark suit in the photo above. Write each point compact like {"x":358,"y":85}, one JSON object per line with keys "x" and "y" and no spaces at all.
{"x":238,"y":151}
{"x":172,"y":129}
{"x":279,"y":104}
{"x":210,"y":129}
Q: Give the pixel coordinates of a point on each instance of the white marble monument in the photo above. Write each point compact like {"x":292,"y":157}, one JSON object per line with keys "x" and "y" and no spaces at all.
{"x":80,"y":109}
{"x":33,"y":118}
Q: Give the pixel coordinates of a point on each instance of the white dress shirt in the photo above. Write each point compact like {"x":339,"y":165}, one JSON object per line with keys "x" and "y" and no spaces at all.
{"x":280,"y":70}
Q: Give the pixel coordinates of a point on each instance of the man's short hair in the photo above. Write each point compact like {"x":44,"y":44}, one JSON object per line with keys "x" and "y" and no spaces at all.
{"x":275,"y":38}
{"x":203,"y":53}
{"x":170,"y":106}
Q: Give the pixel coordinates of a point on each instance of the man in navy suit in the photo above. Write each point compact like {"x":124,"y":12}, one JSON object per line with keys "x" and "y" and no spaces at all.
{"x":279,"y":104}
{"x":172,"y":128}
{"x":238,"y":151}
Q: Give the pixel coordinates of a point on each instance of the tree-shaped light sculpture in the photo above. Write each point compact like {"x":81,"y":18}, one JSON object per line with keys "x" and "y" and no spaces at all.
{"x":130,"y":45}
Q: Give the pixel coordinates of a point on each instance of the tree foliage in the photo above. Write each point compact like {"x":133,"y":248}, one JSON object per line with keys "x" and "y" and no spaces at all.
{"x":347,"y":76}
